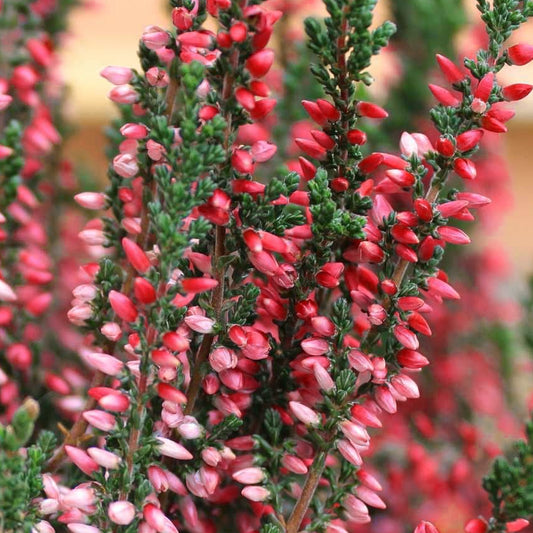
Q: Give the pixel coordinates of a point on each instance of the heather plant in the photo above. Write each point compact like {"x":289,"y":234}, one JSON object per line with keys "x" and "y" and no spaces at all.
{"x":248,"y":322}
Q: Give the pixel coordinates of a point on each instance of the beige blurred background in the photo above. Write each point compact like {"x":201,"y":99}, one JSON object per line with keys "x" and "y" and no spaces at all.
{"x":108,"y":34}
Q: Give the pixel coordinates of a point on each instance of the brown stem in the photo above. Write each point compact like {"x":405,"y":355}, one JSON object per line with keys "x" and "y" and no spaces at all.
{"x":216,"y":302}
{"x":317,"y":468}
{"x":308,"y":491}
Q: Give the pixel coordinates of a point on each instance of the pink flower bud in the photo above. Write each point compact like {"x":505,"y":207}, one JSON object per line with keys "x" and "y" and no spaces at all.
{"x":370,"y":110}
{"x":155,"y":38}
{"x":81,"y":459}
{"x":408,"y":145}
{"x":91,"y":200}
{"x":444,"y":96}
{"x":315,"y":346}
{"x":249,"y":476}
{"x":385,"y":400}
{"x":520,"y":54}
{"x":117,"y":75}
{"x":357,"y":434}
{"x":349,"y":452}
{"x":170,"y":448}
{"x":516,"y":525}
{"x":157,"y":519}
{"x":369,"y":497}
{"x":294,"y":464}
{"x":104,"y":363}
{"x":123,"y":306}
{"x":323,"y":378}
{"x":100,"y":420}
{"x":449,"y":69}
{"x":104,"y":458}
{"x":304,"y":414}
{"x":405,"y":386}
{"x":82,"y":528}
{"x":199,"y":323}
{"x":222,"y":359}
{"x":111,"y":331}
{"x":198,"y":285}
{"x":255,"y":493}
{"x":198,"y":39}
{"x":121,"y":512}
{"x":260,"y":62}
{"x":125,"y":165}
{"x":123,"y":94}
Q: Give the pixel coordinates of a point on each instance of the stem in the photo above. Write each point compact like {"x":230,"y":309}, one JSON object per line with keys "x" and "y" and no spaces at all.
{"x":216,"y":301}
{"x":308,"y":491}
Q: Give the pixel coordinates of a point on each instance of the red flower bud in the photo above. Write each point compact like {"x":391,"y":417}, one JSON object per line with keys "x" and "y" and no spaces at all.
{"x":123,"y":306}
{"x":443,"y":96}
{"x":468,"y":140}
{"x":520,"y":54}
{"x":370,"y":110}
{"x":449,"y":69}
{"x":259,"y":63}
{"x":137,"y":258}
{"x":516,"y":91}
{"x":144,"y":291}
{"x":465,"y":169}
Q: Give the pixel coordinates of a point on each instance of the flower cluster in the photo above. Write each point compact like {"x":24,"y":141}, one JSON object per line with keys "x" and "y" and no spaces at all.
{"x":255,"y":312}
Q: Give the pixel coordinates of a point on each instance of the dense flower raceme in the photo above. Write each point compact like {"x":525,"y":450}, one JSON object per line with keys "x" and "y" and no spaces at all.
{"x":32,"y":174}
{"x":436,"y":450}
{"x":245,"y":336}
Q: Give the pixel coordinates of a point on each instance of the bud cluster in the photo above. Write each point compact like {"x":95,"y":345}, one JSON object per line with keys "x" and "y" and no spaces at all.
{"x":253,"y":315}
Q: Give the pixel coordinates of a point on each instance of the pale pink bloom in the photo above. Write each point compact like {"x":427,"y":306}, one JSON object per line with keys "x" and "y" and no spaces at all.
{"x":385,"y":400}
{"x":199,"y":323}
{"x":357,"y":434}
{"x":79,"y":497}
{"x":123,"y":94}
{"x":79,"y":314}
{"x":405,"y":386}
{"x":189,"y":428}
{"x":355,"y":506}
{"x":211,"y":456}
{"x":125,"y":165}
{"x":50,"y":486}
{"x":111,"y":331}
{"x":48,"y":506}
{"x":304,"y":414}
{"x":315,"y":346}
{"x":349,"y":452}
{"x":323,"y":377}
{"x":121,"y":512}
{"x":104,"y":458}
{"x":117,"y":75}
{"x":369,"y":497}
{"x":423,"y":143}
{"x":42,"y":527}
{"x":155,"y":37}
{"x":100,"y":420}
{"x":157,"y":519}
{"x":103,"y":362}
{"x":255,"y":493}
{"x":249,"y":476}
{"x":85,"y":292}
{"x":81,"y":459}
{"x":83,"y":528}
{"x":92,"y":237}
{"x":91,"y":200}
{"x":157,"y":77}
{"x":170,"y":448}
{"x":133,"y":130}
{"x":294,"y":464}
{"x":6,"y":292}
{"x":5,"y":100}
{"x":222,"y":359}
{"x":408,"y":145}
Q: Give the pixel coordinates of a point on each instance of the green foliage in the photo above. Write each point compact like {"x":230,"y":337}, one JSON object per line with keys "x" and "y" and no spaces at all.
{"x":509,"y":484}
{"x":21,"y":468}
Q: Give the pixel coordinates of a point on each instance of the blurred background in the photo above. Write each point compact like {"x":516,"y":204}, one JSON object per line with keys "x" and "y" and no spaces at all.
{"x":107,"y":34}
